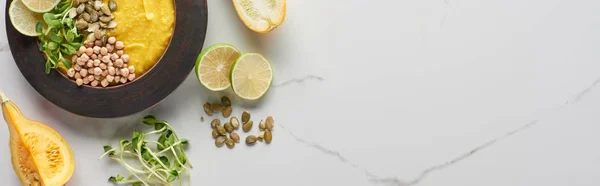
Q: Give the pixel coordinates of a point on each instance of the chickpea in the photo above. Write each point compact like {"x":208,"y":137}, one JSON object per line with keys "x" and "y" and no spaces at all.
{"x":104,"y":73}
{"x":96,"y":49}
{"x":131,"y":77}
{"x":119,"y":45}
{"x":95,"y":83}
{"x":102,"y":66}
{"x":112,"y":40}
{"x":117,"y":72}
{"x":94,"y":56}
{"x":77,"y":75}
{"x":98,"y":43}
{"x":120,"y":53}
{"x":110,"y":64}
{"x":97,"y":63}
{"x":85,"y":57}
{"x":89,"y":51}
{"x":97,"y":77}
{"x":104,"y":83}
{"x":106,"y":59}
{"x":89,"y":44}
{"x":110,"y":78}
{"x":80,"y":62}
{"x":79,"y":81}
{"x":97,"y":71}
{"x":86,"y":81}
{"x":131,"y":69}
{"x":117,"y":79}
{"x":124,"y":65}
{"x":119,"y":62}
{"x":125,"y":58}
{"x":77,"y":68}
{"x":110,"y":47}
{"x":123,"y":80}
{"x":111,"y":70}
{"x":74,"y":59}
{"x":83,"y":72}
{"x":90,"y":78}
{"x":71,"y":72}
{"x":103,"y":51}
{"x":81,"y":50}
{"x":125,"y":72}
{"x":90,"y":63}
{"x":114,"y":57}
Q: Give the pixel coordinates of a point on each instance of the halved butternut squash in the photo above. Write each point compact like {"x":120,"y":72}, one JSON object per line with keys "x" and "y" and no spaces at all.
{"x":39,"y":155}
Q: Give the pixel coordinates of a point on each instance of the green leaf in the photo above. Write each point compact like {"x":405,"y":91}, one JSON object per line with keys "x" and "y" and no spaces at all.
{"x":54,"y":23}
{"x":182,"y":159}
{"x":67,"y":63}
{"x":116,"y":179}
{"x":184,"y":141}
{"x":161,"y":140}
{"x":55,"y":37}
{"x":39,"y":26}
{"x":170,"y":141}
{"x":52,"y":46}
{"x":173,"y":174}
{"x":124,"y":143}
{"x":69,"y":37}
{"x":109,"y":148}
{"x":48,"y":66}
{"x":146,"y":155}
{"x":70,"y":49}
{"x":159,"y":124}
{"x":165,"y":161}
{"x":76,"y":45}
{"x":149,"y":120}
{"x":136,"y":184}
{"x":49,"y":17}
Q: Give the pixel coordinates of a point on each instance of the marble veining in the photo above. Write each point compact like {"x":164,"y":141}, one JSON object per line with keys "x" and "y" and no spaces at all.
{"x":299,"y":81}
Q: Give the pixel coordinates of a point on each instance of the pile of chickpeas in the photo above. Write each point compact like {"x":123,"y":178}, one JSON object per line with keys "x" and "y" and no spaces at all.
{"x":99,"y":65}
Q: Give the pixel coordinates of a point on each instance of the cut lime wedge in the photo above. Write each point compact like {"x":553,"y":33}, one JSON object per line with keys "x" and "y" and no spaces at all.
{"x":251,"y":76}
{"x":213,"y":66}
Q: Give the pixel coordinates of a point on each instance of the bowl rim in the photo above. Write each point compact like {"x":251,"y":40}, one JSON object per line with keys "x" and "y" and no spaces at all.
{"x":171,"y":69}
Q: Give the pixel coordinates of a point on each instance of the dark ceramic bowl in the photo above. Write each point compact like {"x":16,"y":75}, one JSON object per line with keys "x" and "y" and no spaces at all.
{"x":144,"y":92}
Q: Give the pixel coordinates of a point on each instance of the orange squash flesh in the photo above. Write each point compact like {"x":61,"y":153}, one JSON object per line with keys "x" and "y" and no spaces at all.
{"x":39,"y":155}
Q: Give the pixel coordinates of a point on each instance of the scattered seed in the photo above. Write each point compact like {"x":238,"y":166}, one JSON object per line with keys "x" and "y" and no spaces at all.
{"x":112,"y":4}
{"x":235,"y":137}
{"x":219,"y":141}
{"x":245,"y":116}
{"x":235,"y":122}
{"x":201,"y":118}
{"x":225,"y":101}
{"x":72,"y":12}
{"x":227,"y":111}
{"x":230,"y":143}
{"x":105,"y":19}
{"x":268,"y":136}
{"x":207,"y":107}
{"x":261,"y":125}
{"x":215,"y":134}
{"x":81,"y":24}
{"x":217,"y":107}
{"x":261,"y":135}
{"x":94,"y":16}
{"x":221,"y":130}
{"x":215,"y":122}
{"x":80,"y":8}
{"x":228,"y":127}
{"x":112,"y":24}
{"x":247,"y":126}
{"x":105,"y":10}
{"x":251,"y":140}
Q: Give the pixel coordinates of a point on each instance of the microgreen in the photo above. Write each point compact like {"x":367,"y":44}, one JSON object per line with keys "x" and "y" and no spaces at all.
{"x":160,"y":167}
{"x":60,"y":39}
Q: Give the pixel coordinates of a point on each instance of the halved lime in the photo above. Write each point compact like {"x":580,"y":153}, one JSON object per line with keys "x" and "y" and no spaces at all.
{"x":22,"y":18}
{"x":214,"y":64}
{"x":40,"y":6}
{"x":251,"y":76}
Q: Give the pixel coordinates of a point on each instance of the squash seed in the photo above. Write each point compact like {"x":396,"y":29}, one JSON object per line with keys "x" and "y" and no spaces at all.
{"x":217,"y":107}
{"x":215,"y":134}
{"x":225,"y":101}
{"x":112,"y":4}
{"x":201,"y":118}
{"x":247,"y":126}
{"x":221,"y":130}
{"x":268,"y":136}
{"x":227,"y":111}
{"x":245,"y":116}
{"x":261,"y":135}
{"x":235,"y":122}
{"x":215,"y":122}
{"x":235,"y":137}
{"x":228,"y":127}
{"x":230,"y":143}
{"x":105,"y":10}
{"x":270,"y":123}
{"x":251,"y":140}
{"x":208,"y":109}
{"x":261,"y":125}
{"x":219,"y":141}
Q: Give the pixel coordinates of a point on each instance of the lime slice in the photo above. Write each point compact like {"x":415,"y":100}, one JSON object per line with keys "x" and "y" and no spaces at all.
{"x":261,"y":16}
{"x":214,"y":64}
{"x":22,"y":18}
{"x":251,"y":76}
{"x":40,"y":6}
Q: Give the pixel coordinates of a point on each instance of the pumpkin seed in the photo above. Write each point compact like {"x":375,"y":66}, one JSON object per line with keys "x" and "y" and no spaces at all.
{"x":208,"y":109}
{"x":104,"y":38}
{"x":219,"y":141}
{"x":230,"y":143}
{"x":201,"y":118}
{"x":90,"y":38}
{"x":105,"y":19}
{"x":247,"y":126}
{"x":217,"y":107}
{"x":105,"y":10}
{"x":227,"y":111}
{"x":225,"y":101}
{"x":86,"y":16}
{"x":102,"y":25}
{"x":251,"y":140}
{"x":112,"y":24}
{"x":235,"y":137}
{"x":80,"y":8}
{"x":221,"y":130}
{"x":245,"y":116}
{"x":261,"y":135}
{"x":97,"y":4}
{"x":112,"y":4}
{"x":89,"y":8}
{"x":215,"y":122}
{"x":98,"y":34}
{"x":93,"y":16}
{"x":93,"y":27}
{"x":215,"y":134}
{"x":270,"y":123}
{"x":235,"y":122}
{"x":72,"y":12}
{"x":228,"y":127}
{"x":261,"y":125}
{"x":81,"y":24}
{"x":268,"y":136}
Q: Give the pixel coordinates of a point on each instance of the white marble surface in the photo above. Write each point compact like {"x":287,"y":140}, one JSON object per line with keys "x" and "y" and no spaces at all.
{"x":383,"y":92}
